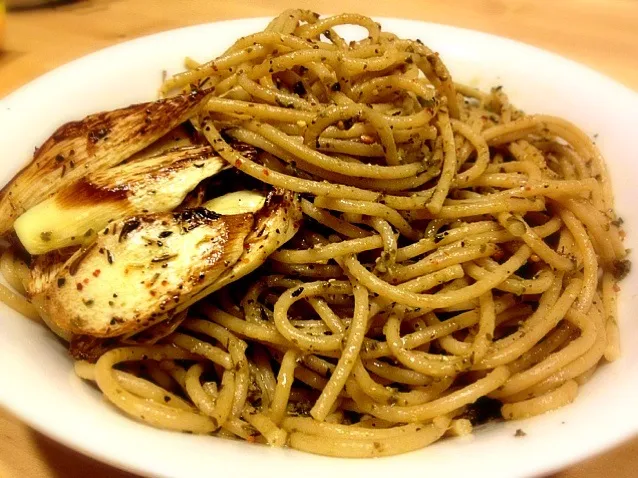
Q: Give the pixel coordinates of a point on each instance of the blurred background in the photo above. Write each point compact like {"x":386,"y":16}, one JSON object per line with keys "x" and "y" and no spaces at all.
{"x":36,"y":38}
{"x":600,"y":33}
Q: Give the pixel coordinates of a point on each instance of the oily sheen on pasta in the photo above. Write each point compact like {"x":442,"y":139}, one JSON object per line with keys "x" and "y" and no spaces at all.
{"x":457,"y":259}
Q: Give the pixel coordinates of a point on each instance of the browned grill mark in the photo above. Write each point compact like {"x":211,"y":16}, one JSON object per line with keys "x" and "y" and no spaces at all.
{"x":75,"y":264}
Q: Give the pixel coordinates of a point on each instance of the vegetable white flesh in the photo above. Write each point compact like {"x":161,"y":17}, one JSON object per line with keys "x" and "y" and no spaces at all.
{"x":238,"y":202}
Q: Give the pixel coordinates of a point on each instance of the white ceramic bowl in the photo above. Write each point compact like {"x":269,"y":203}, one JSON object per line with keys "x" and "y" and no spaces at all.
{"x":36,"y":377}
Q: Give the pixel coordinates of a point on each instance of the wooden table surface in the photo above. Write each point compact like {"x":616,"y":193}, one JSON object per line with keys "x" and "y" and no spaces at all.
{"x":600,"y":33}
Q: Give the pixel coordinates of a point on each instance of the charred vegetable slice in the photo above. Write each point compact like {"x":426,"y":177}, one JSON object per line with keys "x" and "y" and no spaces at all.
{"x":74,"y":214}
{"x":143,"y":268}
{"x":97,"y":142}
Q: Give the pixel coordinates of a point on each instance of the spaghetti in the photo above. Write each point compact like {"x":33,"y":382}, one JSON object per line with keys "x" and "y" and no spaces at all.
{"x":453,"y":249}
